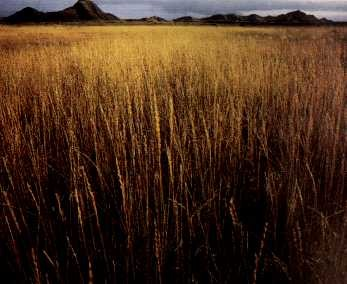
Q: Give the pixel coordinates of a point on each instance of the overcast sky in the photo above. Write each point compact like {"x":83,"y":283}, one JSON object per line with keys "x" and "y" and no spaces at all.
{"x":332,"y":9}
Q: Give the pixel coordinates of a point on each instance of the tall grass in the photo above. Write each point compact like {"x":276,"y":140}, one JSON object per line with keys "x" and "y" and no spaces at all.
{"x":173,"y":155}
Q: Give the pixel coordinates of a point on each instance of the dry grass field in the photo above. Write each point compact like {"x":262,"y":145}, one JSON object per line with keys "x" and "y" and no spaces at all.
{"x":173,"y":154}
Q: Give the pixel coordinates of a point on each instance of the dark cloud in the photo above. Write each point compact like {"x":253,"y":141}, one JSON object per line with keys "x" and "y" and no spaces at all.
{"x":173,"y":8}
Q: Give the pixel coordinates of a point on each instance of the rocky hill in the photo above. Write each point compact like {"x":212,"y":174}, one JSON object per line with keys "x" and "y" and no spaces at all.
{"x":186,"y":19}
{"x":153,"y":19}
{"x":292,"y":18}
{"x":83,"y":10}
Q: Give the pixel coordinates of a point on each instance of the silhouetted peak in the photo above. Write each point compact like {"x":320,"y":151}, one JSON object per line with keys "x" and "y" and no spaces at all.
{"x":154,"y":19}
{"x":297,"y":13}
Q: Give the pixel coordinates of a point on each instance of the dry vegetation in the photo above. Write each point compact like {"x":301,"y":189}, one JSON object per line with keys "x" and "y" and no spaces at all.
{"x":173,"y":154}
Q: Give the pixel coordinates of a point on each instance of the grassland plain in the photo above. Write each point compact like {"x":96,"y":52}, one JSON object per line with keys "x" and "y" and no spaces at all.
{"x":173,"y":154}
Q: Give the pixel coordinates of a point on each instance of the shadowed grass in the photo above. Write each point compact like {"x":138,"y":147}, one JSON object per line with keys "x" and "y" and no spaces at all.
{"x":173,"y":154}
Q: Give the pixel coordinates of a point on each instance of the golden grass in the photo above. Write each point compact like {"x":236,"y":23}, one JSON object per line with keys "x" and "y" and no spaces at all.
{"x":173,"y":154}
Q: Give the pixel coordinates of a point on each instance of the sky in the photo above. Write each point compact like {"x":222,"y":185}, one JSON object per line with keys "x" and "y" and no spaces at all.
{"x":169,"y":9}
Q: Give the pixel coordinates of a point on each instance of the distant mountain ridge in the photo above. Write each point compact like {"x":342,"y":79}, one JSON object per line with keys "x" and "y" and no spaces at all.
{"x":153,"y":19}
{"x":87,"y":10}
{"x":186,"y":19}
{"x":291,"y":18}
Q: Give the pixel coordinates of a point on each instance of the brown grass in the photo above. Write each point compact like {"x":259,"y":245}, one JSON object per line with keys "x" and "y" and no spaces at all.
{"x":173,"y":154}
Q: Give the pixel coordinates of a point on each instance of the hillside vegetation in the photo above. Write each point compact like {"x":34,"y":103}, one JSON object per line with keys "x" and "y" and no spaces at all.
{"x":173,"y":154}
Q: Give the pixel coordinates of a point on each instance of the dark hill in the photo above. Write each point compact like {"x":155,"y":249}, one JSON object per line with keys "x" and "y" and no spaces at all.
{"x":217,"y":19}
{"x":83,"y":10}
{"x":297,"y":18}
{"x":27,"y":14}
{"x":292,"y":18}
{"x":153,"y":19}
{"x":254,"y":19}
{"x":186,"y":19}
{"x":234,"y":19}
